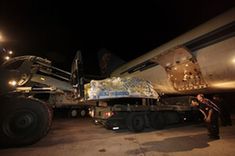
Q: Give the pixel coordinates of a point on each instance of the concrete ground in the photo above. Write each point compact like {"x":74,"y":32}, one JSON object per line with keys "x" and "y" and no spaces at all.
{"x":75,"y":137}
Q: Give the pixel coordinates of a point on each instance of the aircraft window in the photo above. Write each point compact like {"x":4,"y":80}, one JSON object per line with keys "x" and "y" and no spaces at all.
{"x":212,"y":37}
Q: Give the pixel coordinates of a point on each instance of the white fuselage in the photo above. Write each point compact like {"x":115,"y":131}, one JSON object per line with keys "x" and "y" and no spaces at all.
{"x":200,"y":60}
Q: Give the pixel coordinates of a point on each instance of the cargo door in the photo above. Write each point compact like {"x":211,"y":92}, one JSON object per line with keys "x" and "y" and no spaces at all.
{"x":182,"y":69}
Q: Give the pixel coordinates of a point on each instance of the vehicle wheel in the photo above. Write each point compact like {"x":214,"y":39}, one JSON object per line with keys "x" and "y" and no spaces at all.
{"x":83,"y":112}
{"x":73,"y":113}
{"x":157,"y":120}
{"x":23,"y":121}
{"x":135,"y":122}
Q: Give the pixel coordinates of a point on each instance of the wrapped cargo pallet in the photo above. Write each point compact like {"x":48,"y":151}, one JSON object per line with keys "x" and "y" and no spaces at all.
{"x":117,"y":87}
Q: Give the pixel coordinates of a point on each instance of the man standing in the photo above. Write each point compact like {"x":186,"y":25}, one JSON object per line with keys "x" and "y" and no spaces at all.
{"x":211,"y":114}
{"x":225,"y":115}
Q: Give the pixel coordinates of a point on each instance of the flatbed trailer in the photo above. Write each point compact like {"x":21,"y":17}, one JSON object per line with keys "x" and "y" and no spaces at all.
{"x":138,"y":113}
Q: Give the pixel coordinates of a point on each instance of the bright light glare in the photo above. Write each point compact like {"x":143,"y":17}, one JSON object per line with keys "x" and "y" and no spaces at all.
{"x":10,"y":52}
{"x":12,"y":83}
{"x":115,"y":128}
{"x":224,"y":85}
{"x":233,"y":60}
{"x":7,"y":58}
{"x":1,"y":37}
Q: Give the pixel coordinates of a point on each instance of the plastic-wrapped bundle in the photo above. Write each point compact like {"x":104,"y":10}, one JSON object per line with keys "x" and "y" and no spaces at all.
{"x":117,"y":87}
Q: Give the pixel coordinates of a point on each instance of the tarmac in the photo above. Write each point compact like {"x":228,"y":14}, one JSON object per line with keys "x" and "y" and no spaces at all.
{"x":75,"y":137}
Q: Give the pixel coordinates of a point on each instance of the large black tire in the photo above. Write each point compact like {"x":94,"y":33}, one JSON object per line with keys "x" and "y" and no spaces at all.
{"x":157,"y":120}
{"x":83,"y":112}
{"x":135,"y":122}
{"x":73,"y":113}
{"x":23,"y":121}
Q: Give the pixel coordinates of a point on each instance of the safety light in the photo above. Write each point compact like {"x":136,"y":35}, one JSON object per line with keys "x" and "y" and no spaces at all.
{"x":108,"y":114}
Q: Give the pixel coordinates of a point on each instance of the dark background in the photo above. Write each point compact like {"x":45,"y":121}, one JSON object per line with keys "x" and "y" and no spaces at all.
{"x":56,"y":30}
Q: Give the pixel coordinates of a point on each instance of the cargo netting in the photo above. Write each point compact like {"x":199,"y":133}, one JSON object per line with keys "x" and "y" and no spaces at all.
{"x":117,"y":87}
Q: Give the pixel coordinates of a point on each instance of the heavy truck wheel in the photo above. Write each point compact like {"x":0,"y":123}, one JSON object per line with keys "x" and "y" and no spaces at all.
{"x":157,"y":120}
{"x":136,"y":122}
{"x":23,"y":121}
{"x":74,"y":113}
{"x":83,"y":112}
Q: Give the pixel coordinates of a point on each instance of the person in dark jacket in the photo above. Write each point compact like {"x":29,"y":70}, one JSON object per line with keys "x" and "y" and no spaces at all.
{"x":225,"y":115}
{"x":211,"y":114}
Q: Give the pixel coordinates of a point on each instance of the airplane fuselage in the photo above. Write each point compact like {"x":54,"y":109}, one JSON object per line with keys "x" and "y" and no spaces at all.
{"x":201,"y":60}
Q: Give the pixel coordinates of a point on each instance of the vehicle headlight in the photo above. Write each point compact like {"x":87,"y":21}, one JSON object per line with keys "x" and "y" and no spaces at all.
{"x":12,"y":83}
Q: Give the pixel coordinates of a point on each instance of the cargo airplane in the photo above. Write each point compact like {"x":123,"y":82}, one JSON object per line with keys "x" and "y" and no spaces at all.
{"x":201,"y":60}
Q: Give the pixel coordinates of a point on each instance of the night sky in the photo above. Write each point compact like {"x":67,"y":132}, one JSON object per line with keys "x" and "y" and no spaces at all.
{"x":56,"y":30}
